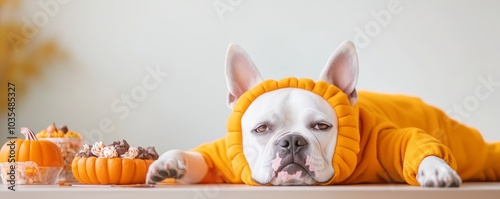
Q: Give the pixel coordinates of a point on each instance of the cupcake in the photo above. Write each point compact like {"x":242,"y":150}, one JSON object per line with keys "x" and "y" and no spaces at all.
{"x":115,"y":163}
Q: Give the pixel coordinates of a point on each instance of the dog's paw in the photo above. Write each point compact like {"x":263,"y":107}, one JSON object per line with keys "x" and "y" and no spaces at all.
{"x":171,"y":164}
{"x":435,"y":172}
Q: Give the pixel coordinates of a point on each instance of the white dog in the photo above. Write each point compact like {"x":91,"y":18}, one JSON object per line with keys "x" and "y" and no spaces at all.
{"x":295,"y":135}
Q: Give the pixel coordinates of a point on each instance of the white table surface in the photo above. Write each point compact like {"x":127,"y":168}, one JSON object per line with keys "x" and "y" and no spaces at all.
{"x":387,"y":191}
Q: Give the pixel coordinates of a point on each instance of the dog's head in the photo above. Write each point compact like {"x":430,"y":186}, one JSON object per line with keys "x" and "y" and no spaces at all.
{"x":289,"y":135}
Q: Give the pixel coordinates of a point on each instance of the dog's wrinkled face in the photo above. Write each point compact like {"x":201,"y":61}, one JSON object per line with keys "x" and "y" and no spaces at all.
{"x":289,"y":136}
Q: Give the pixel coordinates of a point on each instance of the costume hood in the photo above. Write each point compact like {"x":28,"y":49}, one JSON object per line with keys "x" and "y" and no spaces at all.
{"x":346,"y":149}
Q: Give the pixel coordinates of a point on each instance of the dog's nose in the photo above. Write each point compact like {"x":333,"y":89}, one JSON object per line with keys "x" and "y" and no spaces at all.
{"x":293,"y":142}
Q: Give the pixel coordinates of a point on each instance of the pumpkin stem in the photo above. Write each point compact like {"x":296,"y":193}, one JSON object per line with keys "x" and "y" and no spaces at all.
{"x":28,"y":134}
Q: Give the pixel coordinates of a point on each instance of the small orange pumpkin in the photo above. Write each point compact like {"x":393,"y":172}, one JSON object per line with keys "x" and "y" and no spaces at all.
{"x":43,"y":152}
{"x":94,"y":170}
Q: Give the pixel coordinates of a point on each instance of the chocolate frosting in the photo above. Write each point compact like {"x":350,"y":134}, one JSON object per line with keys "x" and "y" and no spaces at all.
{"x":121,"y":147}
{"x":86,"y":151}
{"x":151,"y":150}
{"x":148,"y":153}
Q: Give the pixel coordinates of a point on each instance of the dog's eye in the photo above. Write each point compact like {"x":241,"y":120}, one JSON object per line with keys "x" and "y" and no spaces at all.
{"x":322,"y":126}
{"x":261,"y":128}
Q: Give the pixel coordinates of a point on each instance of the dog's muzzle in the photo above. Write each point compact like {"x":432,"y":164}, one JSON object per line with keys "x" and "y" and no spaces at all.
{"x":292,"y":151}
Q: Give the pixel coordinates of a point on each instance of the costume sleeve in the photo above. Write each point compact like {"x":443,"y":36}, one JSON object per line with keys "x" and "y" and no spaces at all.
{"x":402,"y":150}
{"x":219,"y":166}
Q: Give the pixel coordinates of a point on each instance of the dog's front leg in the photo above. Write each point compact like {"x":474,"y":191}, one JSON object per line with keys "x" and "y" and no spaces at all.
{"x":186,"y":167}
{"x":417,"y":157}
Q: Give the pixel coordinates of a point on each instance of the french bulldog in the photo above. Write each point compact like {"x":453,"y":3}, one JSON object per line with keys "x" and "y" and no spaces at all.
{"x":290,"y":136}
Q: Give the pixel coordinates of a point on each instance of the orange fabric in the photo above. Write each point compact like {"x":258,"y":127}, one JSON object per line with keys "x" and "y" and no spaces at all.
{"x":383,"y":138}
{"x":219,"y":166}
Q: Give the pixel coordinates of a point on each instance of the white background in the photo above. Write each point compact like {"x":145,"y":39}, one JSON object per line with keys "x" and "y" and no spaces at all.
{"x":437,"y":50}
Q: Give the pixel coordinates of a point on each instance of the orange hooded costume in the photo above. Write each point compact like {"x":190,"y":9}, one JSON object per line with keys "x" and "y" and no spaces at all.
{"x":381,"y":139}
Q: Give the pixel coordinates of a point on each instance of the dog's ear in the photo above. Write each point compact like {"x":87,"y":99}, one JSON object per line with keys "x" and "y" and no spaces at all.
{"x":341,"y":70}
{"x":241,"y":73}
